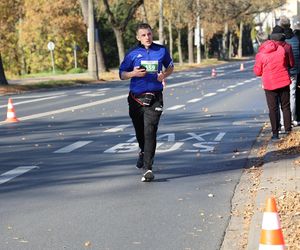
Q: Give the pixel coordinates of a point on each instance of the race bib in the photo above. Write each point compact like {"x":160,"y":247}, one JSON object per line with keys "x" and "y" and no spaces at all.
{"x":151,"y":66}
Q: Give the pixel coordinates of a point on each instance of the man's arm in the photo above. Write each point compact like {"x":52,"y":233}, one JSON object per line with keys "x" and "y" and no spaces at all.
{"x":135,"y":73}
{"x":163,"y":75}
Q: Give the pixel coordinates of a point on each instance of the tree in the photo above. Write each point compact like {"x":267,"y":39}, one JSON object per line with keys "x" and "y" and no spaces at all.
{"x":3,"y":80}
{"x":98,"y":41}
{"x":58,"y":21}
{"x":238,"y":12}
{"x":119,"y":14}
{"x":161,"y":22}
{"x":10,"y":15}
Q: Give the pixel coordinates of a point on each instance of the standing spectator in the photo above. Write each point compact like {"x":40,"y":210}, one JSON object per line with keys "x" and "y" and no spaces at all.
{"x":292,"y":39}
{"x":297,"y":33}
{"x":271,"y":64}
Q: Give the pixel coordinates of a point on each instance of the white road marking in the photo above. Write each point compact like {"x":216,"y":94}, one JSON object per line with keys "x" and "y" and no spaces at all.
{"x":231,"y":86}
{"x":72,"y":147}
{"x":195,"y":100}
{"x":94,"y":94}
{"x":219,"y":136}
{"x":222,"y":90}
{"x":104,"y":89}
{"x":210,"y":94}
{"x":7,"y":176}
{"x":35,"y":100}
{"x":83,"y":92}
{"x":53,"y":112}
{"x":176,"y":107}
{"x":37,"y":96}
{"x":117,"y":128}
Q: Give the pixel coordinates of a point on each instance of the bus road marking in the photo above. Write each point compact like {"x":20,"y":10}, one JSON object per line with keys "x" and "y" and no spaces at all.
{"x":72,"y":147}
{"x":7,"y":176}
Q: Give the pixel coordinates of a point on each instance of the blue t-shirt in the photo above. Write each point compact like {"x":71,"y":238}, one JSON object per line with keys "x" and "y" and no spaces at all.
{"x":153,"y":59}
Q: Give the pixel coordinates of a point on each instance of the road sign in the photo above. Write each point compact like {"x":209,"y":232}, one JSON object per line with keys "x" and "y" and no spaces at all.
{"x":51,"y":46}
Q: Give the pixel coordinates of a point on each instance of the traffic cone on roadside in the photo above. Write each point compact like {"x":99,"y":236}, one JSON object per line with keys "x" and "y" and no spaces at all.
{"x":271,"y":236}
{"x":213,"y":72}
{"x":242,"y":67}
{"x":11,"y":114}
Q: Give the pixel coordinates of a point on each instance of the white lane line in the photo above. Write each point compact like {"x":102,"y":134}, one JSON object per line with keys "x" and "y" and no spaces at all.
{"x":72,"y":147}
{"x":240,"y":83}
{"x":37,"y":96}
{"x":195,"y":100}
{"x":94,"y":94}
{"x":231,"y":86}
{"x":7,"y":176}
{"x":83,"y":92}
{"x":222,"y":90}
{"x":35,"y":100}
{"x":210,"y":94}
{"x":176,"y":107}
{"x":117,"y":128}
{"x":82,"y":106}
{"x":104,"y":89}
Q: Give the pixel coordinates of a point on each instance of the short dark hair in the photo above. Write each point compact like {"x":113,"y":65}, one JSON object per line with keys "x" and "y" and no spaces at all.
{"x":143,"y":26}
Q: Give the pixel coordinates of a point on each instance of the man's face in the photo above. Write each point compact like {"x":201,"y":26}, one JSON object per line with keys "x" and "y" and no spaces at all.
{"x":145,"y":37}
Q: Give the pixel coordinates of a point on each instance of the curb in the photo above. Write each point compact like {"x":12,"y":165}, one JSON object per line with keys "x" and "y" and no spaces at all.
{"x":278,"y":174}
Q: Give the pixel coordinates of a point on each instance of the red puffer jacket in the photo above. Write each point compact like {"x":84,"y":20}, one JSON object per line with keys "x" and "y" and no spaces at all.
{"x":270,"y":63}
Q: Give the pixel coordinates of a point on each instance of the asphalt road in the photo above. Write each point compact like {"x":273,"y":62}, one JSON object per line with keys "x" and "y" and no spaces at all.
{"x":67,"y":169}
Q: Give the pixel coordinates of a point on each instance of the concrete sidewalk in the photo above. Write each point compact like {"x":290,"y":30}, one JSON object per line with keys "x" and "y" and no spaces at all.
{"x":277,"y":175}
{"x":280,"y":174}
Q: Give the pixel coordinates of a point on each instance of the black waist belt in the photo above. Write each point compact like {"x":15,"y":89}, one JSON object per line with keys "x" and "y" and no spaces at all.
{"x":145,"y":99}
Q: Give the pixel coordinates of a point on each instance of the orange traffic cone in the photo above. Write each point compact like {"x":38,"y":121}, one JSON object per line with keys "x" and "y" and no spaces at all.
{"x":213,"y":72}
{"x":242,"y":67}
{"x":11,"y":115}
{"x":271,"y":237}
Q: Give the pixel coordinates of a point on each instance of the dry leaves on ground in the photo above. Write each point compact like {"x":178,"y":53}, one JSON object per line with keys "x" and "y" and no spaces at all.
{"x":289,"y":210}
{"x":289,"y":202}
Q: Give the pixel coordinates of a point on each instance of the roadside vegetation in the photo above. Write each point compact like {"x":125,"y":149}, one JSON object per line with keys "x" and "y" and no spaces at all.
{"x":192,"y":30}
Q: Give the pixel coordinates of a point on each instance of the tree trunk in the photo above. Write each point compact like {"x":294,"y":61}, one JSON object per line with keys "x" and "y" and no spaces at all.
{"x":198,"y":34}
{"x":179,"y":47}
{"x":240,"y":50}
{"x":84,"y":8}
{"x":120,"y":43}
{"x":3,"y":80}
{"x":100,"y":54}
{"x":224,"y":44}
{"x":170,"y":38}
{"x":161,"y":22}
{"x":198,"y":40}
{"x":92,"y":61}
{"x":230,"y":46}
{"x":144,"y":13}
{"x":191,"y":42}
{"x":98,"y":45}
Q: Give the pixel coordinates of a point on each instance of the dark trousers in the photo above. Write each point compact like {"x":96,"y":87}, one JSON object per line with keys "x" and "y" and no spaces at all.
{"x":298,"y":98}
{"x":145,"y":120}
{"x":274,"y":98}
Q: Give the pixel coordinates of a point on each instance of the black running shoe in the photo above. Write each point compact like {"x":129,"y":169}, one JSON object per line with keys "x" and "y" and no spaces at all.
{"x":148,"y":176}
{"x":140,"y":161}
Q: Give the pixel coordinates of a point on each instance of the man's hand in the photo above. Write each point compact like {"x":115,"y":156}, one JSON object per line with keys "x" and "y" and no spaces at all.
{"x":160,"y":76}
{"x":139,"y":72}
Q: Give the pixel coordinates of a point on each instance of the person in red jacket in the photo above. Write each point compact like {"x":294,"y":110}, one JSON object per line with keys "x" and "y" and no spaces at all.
{"x":272,"y":64}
